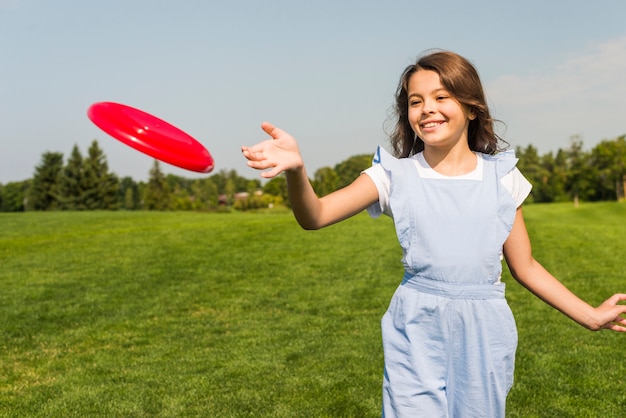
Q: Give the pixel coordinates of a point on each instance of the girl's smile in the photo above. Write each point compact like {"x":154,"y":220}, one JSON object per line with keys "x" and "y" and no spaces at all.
{"x":431,"y":126}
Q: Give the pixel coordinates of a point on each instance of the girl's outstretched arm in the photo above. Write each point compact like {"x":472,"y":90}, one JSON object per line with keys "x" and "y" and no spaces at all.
{"x":281,"y":154}
{"x":532,"y":275}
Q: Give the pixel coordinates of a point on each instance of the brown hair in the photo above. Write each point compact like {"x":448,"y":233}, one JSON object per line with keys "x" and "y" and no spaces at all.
{"x":461,"y":80}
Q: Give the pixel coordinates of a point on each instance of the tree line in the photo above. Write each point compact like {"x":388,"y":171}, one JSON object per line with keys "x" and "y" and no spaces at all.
{"x":85,"y":182}
{"x":574,"y":174}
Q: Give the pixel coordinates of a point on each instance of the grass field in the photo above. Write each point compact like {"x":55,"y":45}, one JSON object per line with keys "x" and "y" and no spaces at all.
{"x":147,"y":314}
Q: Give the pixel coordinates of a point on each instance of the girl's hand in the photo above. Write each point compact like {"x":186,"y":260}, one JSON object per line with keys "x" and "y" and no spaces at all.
{"x":279,"y":154}
{"x":610,"y":314}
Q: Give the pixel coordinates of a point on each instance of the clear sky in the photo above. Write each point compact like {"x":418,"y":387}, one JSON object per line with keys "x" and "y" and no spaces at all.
{"x":324,"y":70}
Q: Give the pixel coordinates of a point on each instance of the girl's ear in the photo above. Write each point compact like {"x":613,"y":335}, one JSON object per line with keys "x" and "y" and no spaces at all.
{"x":471,"y":115}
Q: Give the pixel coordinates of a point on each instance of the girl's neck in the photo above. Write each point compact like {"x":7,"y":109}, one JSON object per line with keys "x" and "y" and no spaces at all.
{"x":456,"y":161}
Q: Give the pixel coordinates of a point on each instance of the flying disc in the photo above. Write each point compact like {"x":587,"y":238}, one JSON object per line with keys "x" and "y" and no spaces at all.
{"x":152,"y":136}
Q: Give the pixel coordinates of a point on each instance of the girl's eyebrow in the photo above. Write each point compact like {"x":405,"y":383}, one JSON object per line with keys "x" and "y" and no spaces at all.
{"x":439,"y":90}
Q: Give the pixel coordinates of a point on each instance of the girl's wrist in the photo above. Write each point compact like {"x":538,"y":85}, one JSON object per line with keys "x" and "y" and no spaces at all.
{"x":297,"y":168}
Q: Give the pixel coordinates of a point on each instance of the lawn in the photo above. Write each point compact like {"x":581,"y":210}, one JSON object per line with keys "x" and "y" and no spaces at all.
{"x":233,"y":315}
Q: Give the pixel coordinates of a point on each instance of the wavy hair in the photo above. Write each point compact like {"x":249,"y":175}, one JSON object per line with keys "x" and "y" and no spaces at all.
{"x":459,"y":77}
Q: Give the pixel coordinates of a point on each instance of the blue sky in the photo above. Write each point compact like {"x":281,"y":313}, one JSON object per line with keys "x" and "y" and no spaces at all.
{"x":323,"y":70}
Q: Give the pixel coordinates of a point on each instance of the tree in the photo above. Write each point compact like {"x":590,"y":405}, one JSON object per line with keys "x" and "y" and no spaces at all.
{"x":205,"y":195}
{"x":100,"y":186}
{"x":230,"y":181}
{"x":180,"y":199}
{"x":230,"y":188}
{"x":44,"y":193}
{"x":555,"y":166}
{"x":350,"y":169}
{"x":13,"y":196}
{"x":609,"y":160}
{"x":128,"y":194}
{"x":325,"y":181}
{"x":577,"y":179}
{"x":278,"y":187}
{"x":157,"y":192}
{"x":71,"y":185}
{"x":530,"y":164}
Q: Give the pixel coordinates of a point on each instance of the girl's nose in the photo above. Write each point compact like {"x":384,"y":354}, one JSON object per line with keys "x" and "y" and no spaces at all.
{"x":429,"y":107}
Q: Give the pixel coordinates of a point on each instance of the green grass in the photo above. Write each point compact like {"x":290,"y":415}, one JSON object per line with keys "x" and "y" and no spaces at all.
{"x":233,"y":315}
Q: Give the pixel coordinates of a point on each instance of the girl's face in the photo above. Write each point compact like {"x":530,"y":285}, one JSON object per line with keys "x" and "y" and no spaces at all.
{"x":435,"y":116}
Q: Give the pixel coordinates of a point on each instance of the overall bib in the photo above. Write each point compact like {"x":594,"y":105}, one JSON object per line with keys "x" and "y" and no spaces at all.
{"x":449,"y":337}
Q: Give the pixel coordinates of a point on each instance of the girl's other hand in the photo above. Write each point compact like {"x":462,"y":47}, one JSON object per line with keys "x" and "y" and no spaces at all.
{"x":610,"y":314}
{"x":281,"y":153}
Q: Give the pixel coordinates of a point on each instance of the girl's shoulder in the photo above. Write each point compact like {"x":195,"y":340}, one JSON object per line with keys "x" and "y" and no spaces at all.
{"x":505,"y":161}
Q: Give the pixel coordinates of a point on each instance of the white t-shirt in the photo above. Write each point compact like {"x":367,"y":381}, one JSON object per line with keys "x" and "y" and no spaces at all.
{"x":514,"y":182}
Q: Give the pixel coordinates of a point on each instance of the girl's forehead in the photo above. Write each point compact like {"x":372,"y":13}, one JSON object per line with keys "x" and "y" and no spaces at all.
{"x":424,"y":81}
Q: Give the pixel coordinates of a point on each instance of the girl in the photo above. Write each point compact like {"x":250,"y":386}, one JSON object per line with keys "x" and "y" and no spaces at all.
{"x":449,"y":337}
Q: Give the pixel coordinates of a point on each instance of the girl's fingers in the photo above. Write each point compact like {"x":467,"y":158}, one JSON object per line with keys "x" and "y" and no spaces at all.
{"x":260,"y":164}
{"x":254,"y":150}
{"x":271,"y":130}
{"x":616,"y":327}
{"x":272,"y":173}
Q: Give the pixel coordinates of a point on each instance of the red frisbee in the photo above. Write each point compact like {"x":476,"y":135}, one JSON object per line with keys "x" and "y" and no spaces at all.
{"x":151,"y":135}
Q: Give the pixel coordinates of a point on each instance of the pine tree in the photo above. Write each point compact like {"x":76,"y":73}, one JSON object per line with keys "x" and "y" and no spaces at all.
{"x":128,"y":194}
{"x":157,"y":193}
{"x":72,"y":182}
{"x":44,"y":192}
{"x":100,"y":187}
{"x":578,"y":169}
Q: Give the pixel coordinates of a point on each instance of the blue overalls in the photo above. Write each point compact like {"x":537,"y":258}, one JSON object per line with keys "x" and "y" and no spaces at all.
{"x":449,"y":337}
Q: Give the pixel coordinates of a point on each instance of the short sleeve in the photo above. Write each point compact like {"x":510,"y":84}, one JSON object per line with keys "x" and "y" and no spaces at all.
{"x":517,"y":185}
{"x":381,"y":179}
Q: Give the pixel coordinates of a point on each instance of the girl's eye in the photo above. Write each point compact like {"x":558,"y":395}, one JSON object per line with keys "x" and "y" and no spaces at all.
{"x":442,"y":97}
{"x":415,"y":102}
